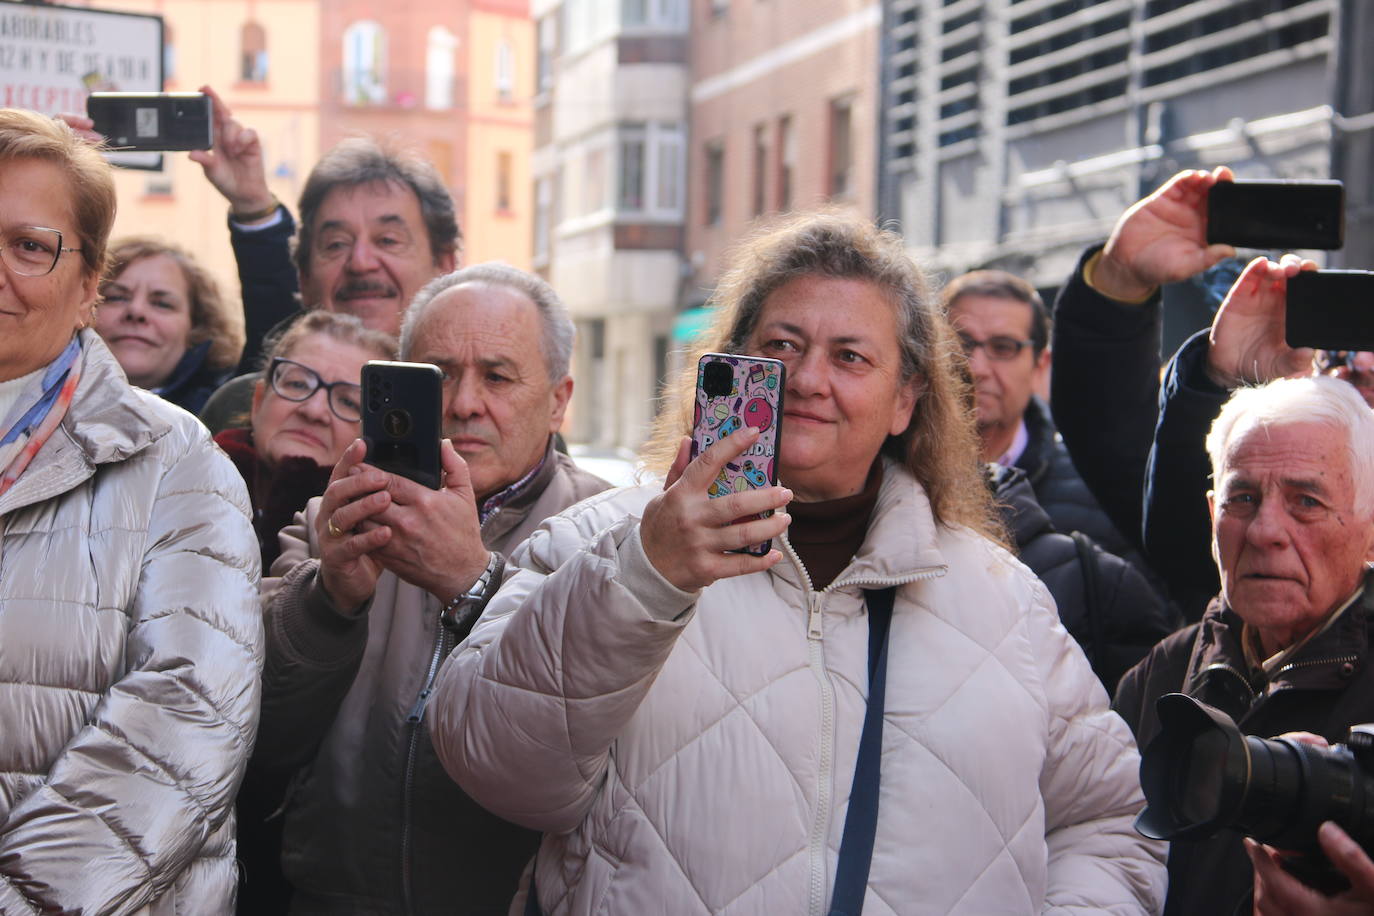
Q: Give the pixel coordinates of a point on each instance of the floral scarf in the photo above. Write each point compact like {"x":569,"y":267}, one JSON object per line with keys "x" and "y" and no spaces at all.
{"x":40,"y":408}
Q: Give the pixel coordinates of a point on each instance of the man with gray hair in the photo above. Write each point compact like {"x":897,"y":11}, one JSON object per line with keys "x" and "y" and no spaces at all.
{"x":1285,"y":647}
{"x":379,"y":579}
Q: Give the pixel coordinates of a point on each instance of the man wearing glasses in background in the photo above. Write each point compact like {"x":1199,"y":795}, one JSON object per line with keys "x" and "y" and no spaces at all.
{"x":1005,"y":331}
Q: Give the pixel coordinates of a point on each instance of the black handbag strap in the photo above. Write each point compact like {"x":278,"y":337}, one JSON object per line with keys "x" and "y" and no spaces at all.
{"x":861,"y":822}
{"x":1087,"y":559}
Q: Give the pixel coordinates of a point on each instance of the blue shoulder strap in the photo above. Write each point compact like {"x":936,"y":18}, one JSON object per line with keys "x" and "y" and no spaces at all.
{"x":861,"y":822}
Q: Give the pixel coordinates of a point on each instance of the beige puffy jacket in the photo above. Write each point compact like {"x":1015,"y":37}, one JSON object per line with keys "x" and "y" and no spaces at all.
{"x":130,"y":648}
{"x":693,"y":753}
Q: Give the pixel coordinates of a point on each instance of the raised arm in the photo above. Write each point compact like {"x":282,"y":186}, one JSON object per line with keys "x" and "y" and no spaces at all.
{"x":260,"y":228}
{"x":1106,"y":339}
{"x":527,"y":710}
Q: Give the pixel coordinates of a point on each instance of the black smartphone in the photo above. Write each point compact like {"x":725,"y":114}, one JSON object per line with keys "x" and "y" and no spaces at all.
{"x":153,"y":121}
{"x":402,"y":404}
{"x":1331,"y":310}
{"x":1277,"y":214}
{"x":735,"y":391}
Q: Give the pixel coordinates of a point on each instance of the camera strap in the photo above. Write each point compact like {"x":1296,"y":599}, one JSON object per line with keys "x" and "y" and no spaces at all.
{"x":861,"y":821}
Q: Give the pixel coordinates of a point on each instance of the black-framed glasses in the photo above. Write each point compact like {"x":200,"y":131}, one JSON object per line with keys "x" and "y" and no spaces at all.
{"x":31,"y":251}
{"x":295,"y":382}
{"x":1002,"y":349}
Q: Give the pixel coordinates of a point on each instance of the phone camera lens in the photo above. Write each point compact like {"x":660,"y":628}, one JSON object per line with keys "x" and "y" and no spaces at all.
{"x":717,"y":379}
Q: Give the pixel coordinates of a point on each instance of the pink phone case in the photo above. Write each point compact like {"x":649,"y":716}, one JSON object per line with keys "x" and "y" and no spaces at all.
{"x":754,"y":399}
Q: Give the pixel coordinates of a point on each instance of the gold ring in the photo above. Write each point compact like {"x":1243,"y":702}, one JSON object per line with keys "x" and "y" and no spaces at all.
{"x":334,"y":530}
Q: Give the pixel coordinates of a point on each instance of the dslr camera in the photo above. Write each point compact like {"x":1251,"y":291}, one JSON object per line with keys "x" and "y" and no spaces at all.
{"x":1200,"y":775}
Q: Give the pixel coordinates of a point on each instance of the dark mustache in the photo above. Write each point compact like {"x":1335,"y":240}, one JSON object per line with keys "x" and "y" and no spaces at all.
{"x":358,"y":289}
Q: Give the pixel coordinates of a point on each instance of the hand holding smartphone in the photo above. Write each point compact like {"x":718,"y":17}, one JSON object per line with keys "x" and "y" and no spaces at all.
{"x":402,"y":405}
{"x":731,"y":392}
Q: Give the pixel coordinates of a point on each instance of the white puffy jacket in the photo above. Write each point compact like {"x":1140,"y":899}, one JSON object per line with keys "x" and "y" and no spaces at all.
{"x":693,"y":753}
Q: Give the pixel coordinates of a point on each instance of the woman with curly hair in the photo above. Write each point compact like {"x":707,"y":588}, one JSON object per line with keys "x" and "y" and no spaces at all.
{"x":883,"y":709}
{"x":163,"y":316}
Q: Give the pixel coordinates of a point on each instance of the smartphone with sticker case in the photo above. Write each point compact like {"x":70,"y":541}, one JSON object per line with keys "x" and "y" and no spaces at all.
{"x":732,"y":392}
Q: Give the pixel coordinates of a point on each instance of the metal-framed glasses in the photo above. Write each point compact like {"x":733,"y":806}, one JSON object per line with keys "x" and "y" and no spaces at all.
{"x":31,"y":251}
{"x":1002,"y":349}
{"x":295,"y":382}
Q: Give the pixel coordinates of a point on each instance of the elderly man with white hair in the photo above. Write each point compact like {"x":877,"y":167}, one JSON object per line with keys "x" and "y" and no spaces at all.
{"x":354,"y":635}
{"x":1285,"y":647}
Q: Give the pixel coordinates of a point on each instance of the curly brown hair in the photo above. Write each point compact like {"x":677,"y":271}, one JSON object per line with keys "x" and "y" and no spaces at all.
{"x":210,"y":309}
{"x":939,"y":447}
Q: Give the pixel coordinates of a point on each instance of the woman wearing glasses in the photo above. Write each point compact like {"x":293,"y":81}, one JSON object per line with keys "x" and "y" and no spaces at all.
{"x":163,"y":317}
{"x":307,"y":407}
{"x":130,"y":638}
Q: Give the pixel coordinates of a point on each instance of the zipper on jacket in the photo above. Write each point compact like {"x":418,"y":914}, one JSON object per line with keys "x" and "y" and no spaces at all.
{"x":416,"y":722}
{"x":820,"y":825}
{"x":1249,"y":688}
{"x":1311,"y":663}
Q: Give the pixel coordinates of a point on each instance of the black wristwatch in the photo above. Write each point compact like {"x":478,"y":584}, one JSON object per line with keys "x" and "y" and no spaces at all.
{"x":461,"y":612}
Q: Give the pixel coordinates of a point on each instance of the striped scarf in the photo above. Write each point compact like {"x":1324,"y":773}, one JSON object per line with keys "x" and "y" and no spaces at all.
{"x":40,"y":408}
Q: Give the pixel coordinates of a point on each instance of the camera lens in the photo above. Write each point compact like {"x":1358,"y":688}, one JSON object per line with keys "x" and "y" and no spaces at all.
{"x":1201,"y":775}
{"x":717,"y":379}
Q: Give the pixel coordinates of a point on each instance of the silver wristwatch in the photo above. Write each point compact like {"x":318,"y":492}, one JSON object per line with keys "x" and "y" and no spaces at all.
{"x":460,"y":613}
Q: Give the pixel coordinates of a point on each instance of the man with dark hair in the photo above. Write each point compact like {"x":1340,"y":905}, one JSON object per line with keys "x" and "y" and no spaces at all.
{"x":1005,"y":329}
{"x":377,"y":223}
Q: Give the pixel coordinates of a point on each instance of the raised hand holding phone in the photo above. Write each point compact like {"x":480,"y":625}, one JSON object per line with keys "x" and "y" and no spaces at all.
{"x":733,"y":392}
{"x":688,"y":535}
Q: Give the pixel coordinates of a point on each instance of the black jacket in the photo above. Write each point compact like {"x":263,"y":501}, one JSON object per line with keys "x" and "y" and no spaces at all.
{"x":1105,"y":393}
{"x":271,"y":290}
{"x":1178,"y":528}
{"x":1062,"y":492}
{"x":1104,"y":602}
{"x":1325,"y":689}
{"x":192,"y":381}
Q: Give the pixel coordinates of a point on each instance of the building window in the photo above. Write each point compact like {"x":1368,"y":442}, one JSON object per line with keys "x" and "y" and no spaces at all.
{"x":505,"y":71}
{"x":632,"y":140}
{"x":503,"y":182}
{"x":715,"y":181}
{"x":543,"y":216}
{"x":548,"y":47}
{"x":841,"y":148}
{"x":787,"y":161}
{"x":585,"y":22}
{"x":253,"y":53}
{"x":669,"y":145}
{"x":440,"y":47}
{"x":660,"y":14}
{"x":594,"y":173}
{"x":364,"y":68}
{"x":760,"y":169}
{"x":650,"y":169}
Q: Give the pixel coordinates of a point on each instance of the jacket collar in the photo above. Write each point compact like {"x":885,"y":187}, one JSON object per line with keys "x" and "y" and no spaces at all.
{"x":902,"y":542}
{"x":1219,"y":675}
{"x":106,"y":422}
{"x":525,"y":493}
{"x":1035,"y":460}
{"x":190,"y":364}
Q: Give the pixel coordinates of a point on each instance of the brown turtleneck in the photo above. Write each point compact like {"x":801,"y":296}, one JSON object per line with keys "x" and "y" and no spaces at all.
{"x":827,"y":534}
